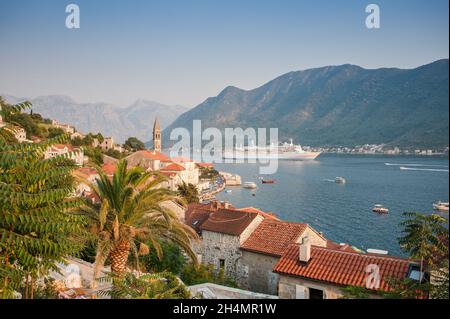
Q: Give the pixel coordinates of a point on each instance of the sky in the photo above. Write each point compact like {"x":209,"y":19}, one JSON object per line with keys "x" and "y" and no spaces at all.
{"x":184,"y":51}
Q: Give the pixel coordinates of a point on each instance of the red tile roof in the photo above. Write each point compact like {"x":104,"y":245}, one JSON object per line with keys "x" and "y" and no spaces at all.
{"x":85,"y":172}
{"x":173,"y":167}
{"x":109,"y":168}
{"x":258,"y":211}
{"x":341,"y":267}
{"x":181,"y":159}
{"x":273,"y":237}
{"x":196,"y":218}
{"x":228,"y":221}
{"x":153,"y":155}
{"x":205,"y":165}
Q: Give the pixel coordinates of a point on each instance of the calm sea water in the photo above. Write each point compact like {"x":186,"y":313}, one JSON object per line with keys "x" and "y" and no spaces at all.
{"x":306,"y":192}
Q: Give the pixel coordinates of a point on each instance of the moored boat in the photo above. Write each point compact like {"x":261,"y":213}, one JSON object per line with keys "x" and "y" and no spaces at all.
{"x":441,"y":206}
{"x":380,"y":209}
{"x":268,"y":181}
{"x":249,"y":185}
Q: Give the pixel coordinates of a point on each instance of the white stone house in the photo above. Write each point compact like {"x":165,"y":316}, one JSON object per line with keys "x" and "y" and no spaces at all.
{"x":107,"y":144}
{"x":65,"y":127}
{"x":75,"y":154}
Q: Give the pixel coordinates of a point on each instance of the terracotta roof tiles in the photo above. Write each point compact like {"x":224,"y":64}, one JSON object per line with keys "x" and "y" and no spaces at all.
{"x":341,"y":267}
{"x":173,"y":167}
{"x":273,"y":237}
{"x":228,"y":221}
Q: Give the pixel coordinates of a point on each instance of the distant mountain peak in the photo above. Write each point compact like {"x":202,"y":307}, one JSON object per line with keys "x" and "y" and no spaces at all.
{"x":340,"y":105}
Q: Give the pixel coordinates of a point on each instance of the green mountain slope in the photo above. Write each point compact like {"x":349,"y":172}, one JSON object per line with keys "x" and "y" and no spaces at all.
{"x":339,"y":105}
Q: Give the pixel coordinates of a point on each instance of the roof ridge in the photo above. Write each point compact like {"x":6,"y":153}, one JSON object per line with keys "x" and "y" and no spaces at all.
{"x":366,"y":255}
{"x":211,"y":218}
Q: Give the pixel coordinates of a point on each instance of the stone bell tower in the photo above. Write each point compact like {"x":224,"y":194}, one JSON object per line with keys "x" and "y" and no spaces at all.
{"x":157,"y":135}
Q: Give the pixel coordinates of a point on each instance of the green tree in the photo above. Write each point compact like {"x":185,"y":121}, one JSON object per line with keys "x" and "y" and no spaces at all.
{"x":114,"y":153}
{"x":172,"y":258}
{"x":95,"y":155}
{"x":54,"y":132}
{"x":198,"y":274}
{"x":130,"y":215}
{"x":189,"y":192}
{"x":134,"y":144}
{"x":424,"y":237}
{"x":37,"y":225}
{"x":149,"y":286}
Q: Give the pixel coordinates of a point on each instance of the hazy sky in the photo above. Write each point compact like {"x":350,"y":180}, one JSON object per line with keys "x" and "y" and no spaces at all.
{"x":181,"y":52}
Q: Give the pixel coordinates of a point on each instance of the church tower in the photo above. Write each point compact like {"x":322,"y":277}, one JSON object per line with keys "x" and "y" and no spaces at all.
{"x":157,"y":135}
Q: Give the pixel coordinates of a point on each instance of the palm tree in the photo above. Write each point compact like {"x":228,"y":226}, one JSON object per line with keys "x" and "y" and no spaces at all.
{"x":424,"y":237}
{"x":130,"y":214}
{"x":189,"y":192}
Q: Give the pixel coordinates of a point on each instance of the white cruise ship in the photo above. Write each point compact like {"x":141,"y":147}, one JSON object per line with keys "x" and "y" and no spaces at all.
{"x":286,"y":151}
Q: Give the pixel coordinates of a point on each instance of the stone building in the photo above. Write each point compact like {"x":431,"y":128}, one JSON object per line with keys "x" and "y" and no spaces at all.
{"x":149,"y":160}
{"x":311,"y":272}
{"x":265,"y":246}
{"x":65,"y":127}
{"x":222,"y":233}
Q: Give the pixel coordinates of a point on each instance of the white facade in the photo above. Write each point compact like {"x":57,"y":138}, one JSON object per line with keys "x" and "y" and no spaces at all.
{"x":77,"y":155}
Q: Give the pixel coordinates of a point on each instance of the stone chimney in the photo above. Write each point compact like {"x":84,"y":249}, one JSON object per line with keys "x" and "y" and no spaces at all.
{"x":215,"y":204}
{"x":305,"y":250}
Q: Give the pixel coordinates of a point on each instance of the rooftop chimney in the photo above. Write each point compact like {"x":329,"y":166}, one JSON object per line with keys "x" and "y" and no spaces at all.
{"x":305,"y":250}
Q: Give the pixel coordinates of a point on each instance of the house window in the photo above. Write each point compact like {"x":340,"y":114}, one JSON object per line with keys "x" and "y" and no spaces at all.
{"x":222,"y":264}
{"x":315,"y":293}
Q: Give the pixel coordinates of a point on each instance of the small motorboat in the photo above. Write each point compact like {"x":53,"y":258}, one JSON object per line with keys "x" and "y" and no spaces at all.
{"x":380,"y":209}
{"x":441,"y":206}
{"x":339,"y":180}
{"x":268,"y":181}
{"x":229,"y":191}
{"x":249,"y":185}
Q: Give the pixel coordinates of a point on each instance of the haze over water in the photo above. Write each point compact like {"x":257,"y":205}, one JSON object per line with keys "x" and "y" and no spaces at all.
{"x":306,"y":192}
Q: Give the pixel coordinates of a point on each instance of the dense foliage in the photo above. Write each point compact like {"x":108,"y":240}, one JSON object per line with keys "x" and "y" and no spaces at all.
{"x":171,"y":259}
{"x":134,"y":144}
{"x":194,"y":275}
{"x":189,"y":192}
{"x":149,"y":286}
{"x":37,"y":225}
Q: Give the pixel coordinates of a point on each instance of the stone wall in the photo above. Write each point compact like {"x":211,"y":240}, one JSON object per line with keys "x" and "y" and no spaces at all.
{"x":215,"y":247}
{"x":257,"y":274}
{"x":289,"y":285}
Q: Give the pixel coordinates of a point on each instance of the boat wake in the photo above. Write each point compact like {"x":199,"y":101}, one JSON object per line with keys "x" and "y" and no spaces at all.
{"x":414,"y":165}
{"x":329,"y":180}
{"x":423,"y":169}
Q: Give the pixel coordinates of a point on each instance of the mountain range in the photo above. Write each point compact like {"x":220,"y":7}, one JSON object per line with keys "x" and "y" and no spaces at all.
{"x":343,"y":105}
{"x":120,"y":122}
